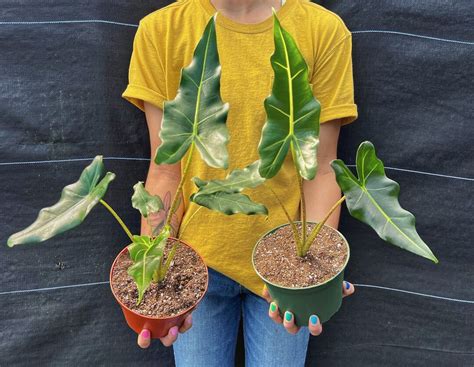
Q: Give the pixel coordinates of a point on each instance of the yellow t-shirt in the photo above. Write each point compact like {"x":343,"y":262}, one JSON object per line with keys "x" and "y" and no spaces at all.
{"x":164,"y":43}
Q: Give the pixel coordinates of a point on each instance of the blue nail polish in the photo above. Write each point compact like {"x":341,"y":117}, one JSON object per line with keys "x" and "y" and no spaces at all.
{"x":313,"y":319}
{"x":288,"y":316}
{"x":348,"y":285}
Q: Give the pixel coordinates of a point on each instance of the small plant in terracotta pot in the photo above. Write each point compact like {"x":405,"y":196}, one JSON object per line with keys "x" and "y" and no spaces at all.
{"x":157,"y":280}
{"x":302,"y":263}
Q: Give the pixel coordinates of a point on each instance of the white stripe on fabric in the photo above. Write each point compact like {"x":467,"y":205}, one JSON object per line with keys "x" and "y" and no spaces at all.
{"x":414,"y":35}
{"x":136,"y":25}
{"x":148,"y":159}
{"x":424,"y":173}
{"x":356,"y":285}
{"x":69,"y":22}
{"x":414,"y":293}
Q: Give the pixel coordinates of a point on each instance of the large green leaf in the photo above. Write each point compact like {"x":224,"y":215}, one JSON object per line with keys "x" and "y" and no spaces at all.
{"x":224,"y":195}
{"x":76,"y":202}
{"x":197,"y":115}
{"x":144,"y":201}
{"x":373,"y":199}
{"x":292,"y":112}
{"x":146,"y":254}
{"x":228,"y":203}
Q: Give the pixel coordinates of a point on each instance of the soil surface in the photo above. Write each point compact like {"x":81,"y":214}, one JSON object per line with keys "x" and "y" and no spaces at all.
{"x":276,"y":259}
{"x":181,"y":289}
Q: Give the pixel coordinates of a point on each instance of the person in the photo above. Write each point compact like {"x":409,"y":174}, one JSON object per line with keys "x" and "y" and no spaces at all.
{"x":163,"y":45}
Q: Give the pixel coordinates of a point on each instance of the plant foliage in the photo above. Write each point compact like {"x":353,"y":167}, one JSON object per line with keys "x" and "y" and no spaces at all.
{"x":372,"y":198}
{"x":76,"y":201}
{"x":197,"y":116}
{"x":225,"y":195}
{"x":292,"y":112}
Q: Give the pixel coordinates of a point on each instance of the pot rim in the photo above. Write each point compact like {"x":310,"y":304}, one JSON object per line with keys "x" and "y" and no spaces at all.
{"x":162,"y":317}
{"x":310,"y":286}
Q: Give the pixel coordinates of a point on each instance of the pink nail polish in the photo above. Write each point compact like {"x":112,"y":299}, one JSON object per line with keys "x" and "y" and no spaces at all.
{"x":174,"y":331}
{"x":145,"y":334}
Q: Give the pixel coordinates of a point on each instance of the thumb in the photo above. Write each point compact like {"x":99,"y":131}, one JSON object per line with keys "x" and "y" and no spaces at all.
{"x":144,"y":338}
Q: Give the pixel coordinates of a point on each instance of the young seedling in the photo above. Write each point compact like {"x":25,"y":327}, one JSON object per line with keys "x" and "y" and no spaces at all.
{"x":292,"y":125}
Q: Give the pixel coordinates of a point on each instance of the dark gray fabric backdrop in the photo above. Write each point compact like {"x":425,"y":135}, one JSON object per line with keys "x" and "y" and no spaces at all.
{"x":60,"y":102}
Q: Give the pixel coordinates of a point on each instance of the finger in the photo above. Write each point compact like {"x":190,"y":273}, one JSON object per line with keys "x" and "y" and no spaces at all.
{"x":187,"y":324}
{"x":144,"y":339}
{"x":169,"y":339}
{"x":289,"y":323}
{"x":314,"y":325}
{"x":266,"y":294}
{"x":274,"y":314}
{"x":347,"y":289}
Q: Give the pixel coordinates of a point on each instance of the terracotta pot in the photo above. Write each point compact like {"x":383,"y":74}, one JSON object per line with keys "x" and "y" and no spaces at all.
{"x":158,"y":326}
{"x":323,"y":300}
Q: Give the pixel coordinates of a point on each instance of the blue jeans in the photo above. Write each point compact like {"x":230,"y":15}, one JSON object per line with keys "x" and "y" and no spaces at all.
{"x":212,"y":339}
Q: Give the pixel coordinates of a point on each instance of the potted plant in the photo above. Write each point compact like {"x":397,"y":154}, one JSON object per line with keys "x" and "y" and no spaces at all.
{"x":302,"y":263}
{"x":157,"y":280}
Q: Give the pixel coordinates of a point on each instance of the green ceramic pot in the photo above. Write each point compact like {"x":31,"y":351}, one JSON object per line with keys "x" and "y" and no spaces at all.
{"x":323,"y":300}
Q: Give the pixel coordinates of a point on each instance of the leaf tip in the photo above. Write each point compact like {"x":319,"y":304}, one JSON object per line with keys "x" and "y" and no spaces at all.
{"x":10,"y":242}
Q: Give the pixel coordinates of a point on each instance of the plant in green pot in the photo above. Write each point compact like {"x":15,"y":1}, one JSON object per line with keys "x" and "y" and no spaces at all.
{"x":302,"y":263}
{"x":157,"y":280}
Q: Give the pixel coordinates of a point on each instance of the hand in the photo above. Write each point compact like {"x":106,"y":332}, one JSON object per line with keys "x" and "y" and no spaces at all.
{"x":144,"y":338}
{"x":314,"y":325}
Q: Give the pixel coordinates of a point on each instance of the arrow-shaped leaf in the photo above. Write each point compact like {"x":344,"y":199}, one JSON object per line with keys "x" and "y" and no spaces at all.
{"x":144,"y":201}
{"x":76,"y":202}
{"x":373,"y":199}
{"x":224,"y":195}
{"x":146,"y":255}
{"x":235,"y":181}
{"x":197,"y":115}
{"x":292,"y":112}
{"x":228,"y":203}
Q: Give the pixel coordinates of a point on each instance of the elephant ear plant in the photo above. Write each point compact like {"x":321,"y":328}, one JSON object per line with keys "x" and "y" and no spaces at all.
{"x":292,"y":127}
{"x":194,"y":121}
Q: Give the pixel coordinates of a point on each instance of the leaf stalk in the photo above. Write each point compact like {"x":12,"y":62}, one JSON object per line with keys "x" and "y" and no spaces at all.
{"x":320,"y":225}
{"x":117,"y":217}
{"x":179,"y":190}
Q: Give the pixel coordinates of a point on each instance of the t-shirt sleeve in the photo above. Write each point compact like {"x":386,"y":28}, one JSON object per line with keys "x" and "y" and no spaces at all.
{"x":333,"y":84}
{"x":146,"y":76}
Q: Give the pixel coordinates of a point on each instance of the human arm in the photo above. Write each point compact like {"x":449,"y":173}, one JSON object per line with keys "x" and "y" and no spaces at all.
{"x":323,"y":192}
{"x":161,"y":180}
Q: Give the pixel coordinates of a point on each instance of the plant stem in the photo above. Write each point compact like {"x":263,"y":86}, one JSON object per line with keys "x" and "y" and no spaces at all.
{"x":188,"y":221}
{"x":290,"y":221}
{"x":174,"y":204}
{"x":302,"y":203}
{"x":164,"y":268}
{"x":320,"y":225}
{"x":116,"y":216}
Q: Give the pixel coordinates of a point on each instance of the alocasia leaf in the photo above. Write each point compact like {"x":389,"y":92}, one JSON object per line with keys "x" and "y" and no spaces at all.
{"x":292,"y":112}
{"x":228,"y":203}
{"x":76,"y":201}
{"x":144,"y":201}
{"x":373,"y":199}
{"x":197,"y":115}
{"x":146,"y":254}
{"x":224,"y":195}
{"x":235,"y":181}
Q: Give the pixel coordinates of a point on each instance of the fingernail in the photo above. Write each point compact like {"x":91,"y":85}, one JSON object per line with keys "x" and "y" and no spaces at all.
{"x":273,"y":307}
{"x":313,"y":319}
{"x":174,"y":331}
{"x":348,"y":285}
{"x":145,"y":334}
{"x":288,"y":316}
